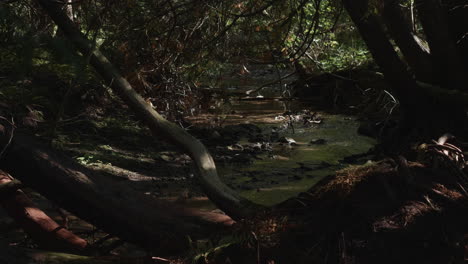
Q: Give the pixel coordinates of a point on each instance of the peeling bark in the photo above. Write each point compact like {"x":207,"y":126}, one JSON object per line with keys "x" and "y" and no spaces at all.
{"x":40,"y":227}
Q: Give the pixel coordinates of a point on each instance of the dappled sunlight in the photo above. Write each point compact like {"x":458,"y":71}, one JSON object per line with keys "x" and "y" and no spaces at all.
{"x":311,"y":126}
{"x":289,"y":169}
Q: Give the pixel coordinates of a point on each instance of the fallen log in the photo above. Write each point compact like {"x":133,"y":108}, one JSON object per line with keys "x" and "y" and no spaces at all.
{"x":132,"y":216}
{"x":40,"y":227}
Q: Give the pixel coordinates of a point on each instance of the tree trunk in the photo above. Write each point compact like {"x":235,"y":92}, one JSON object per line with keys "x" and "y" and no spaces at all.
{"x":417,"y":56}
{"x":225,"y":198}
{"x":382,"y":51}
{"x":134,"y":217}
{"x":446,"y":57}
{"x":458,"y":23}
{"x":40,"y":227}
{"x":424,"y":116}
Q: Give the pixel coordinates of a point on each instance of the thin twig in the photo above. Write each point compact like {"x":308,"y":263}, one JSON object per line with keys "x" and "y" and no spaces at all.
{"x":258,"y":247}
{"x":12,"y":124}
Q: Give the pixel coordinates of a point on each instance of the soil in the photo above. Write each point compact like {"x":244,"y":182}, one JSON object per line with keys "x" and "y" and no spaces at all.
{"x":365,"y":214}
{"x":121,"y":148}
{"x":371,"y":213}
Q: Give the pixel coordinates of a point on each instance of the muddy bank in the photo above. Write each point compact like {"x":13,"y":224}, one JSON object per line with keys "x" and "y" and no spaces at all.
{"x":374,"y":214}
{"x":363,"y":214}
{"x":285,"y":154}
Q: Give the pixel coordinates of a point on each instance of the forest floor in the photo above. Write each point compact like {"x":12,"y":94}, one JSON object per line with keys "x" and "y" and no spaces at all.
{"x":330,"y":211}
{"x":361,"y":214}
{"x":383,"y":212}
{"x":364,"y":214}
{"x":245,"y":146}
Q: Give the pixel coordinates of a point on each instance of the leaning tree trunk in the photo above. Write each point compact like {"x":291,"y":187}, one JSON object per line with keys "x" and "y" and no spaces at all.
{"x":458,"y":23}
{"x":446,"y":57}
{"x":225,"y":198}
{"x":416,"y":54}
{"x":394,"y":70}
{"x":112,"y":207}
{"x":423,"y":113}
{"x":383,"y":52}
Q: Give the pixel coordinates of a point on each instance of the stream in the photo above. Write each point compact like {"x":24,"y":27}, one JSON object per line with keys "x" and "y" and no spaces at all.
{"x":282,"y":169}
{"x":266,"y":147}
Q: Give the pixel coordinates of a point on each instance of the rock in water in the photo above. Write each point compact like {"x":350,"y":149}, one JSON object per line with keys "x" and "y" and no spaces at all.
{"x":319,"y":141}
{"x":290,"y":141}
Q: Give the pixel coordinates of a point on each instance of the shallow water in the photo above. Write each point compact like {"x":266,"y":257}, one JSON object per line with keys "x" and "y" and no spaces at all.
{"x":288,"y":169}
{"x":294,"y":169}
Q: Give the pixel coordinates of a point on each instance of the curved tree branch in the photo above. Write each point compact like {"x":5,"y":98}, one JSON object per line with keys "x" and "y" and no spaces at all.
{"x":224,"y":197}
{"x":135,"y":217}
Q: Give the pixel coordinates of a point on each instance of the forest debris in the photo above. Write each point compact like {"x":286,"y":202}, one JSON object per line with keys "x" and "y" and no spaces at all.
{"x":235,"y":147}
{"x":289,"y":141}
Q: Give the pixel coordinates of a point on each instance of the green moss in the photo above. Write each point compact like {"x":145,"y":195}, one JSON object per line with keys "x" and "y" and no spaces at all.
{"x":342,"y":139}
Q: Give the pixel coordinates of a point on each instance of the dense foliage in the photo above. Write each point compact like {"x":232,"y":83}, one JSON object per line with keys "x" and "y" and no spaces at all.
{"x":103,"y":80}
{"x":168,"y":49}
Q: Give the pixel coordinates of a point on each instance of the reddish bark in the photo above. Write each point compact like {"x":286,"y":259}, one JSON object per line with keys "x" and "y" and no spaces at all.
{"x":39,"y":226}
{"x":152,"y":223}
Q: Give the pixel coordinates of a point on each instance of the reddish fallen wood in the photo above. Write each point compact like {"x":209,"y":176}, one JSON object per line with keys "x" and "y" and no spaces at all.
{"x":40,"y":227}
{"x":113,"y":207}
